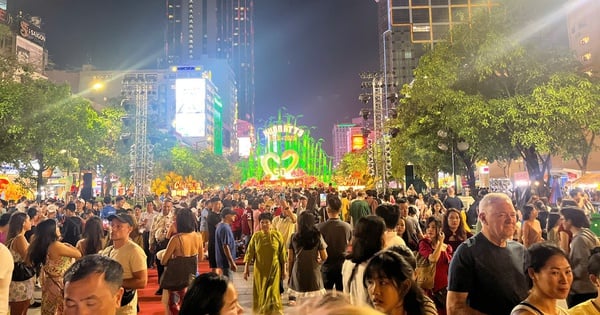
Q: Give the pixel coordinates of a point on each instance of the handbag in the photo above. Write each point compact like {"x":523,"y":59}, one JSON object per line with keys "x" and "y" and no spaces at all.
{"x":179,"y":272}
{"x":128,"y":295}
{"x":21,"y":270}
{"x":425,"y":272}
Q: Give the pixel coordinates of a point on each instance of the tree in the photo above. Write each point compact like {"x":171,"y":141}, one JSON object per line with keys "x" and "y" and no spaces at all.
{"x":352,"y":169}
{"x":47,"y":121}
{"x":186,"y":162}
{"x":217,"y":170}
{"x":573,"y":99}
{"x":480,"y":86}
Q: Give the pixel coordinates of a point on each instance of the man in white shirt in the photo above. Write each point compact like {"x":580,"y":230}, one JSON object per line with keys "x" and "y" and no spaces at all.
{"x":7,"y":263}
{"x":131,"y":257}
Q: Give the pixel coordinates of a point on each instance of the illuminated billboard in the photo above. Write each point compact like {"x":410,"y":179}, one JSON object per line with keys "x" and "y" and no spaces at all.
{"x":190,"y":107}
{"x":244,"y":146}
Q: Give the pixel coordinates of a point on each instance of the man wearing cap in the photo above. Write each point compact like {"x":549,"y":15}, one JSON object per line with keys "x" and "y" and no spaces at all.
{"x":225,"y":248}
{"x":51,"y":211}
{"x":131,"y":257}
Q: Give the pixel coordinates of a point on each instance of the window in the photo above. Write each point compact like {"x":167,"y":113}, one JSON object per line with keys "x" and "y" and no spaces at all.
{"x":584,"y":40}
{"x":586,"y":57}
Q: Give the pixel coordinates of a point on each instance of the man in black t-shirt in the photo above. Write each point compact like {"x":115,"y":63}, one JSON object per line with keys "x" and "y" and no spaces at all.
{"x":213,"y":218}
{"x":452,"y":201}
{"x":486,"y":272}
{"x":337,"y":235}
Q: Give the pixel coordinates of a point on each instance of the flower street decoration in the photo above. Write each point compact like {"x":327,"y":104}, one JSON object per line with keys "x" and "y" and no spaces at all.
{"x":286,"y":154}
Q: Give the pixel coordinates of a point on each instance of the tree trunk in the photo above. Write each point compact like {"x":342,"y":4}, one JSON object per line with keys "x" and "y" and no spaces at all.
{"x":40,"y":176}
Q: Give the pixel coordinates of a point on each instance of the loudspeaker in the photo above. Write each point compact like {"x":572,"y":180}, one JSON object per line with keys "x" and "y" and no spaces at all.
{"x":409,"y":172}
{"x":86,"y":191}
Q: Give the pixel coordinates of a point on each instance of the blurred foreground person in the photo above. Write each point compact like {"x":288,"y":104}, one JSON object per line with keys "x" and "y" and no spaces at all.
{"x":550,"y":279}
{"x":367,"y":240}
{"x":591,"y":306}
{"x":93,"y":286}
{"x":211,"y":294}
{"x":5,"y":276}
{"x":584,"y":240}
{"x":391,"y":286}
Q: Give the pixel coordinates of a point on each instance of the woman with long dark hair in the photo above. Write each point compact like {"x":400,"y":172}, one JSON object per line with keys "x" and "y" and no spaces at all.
{"x":367,"y":240}
{"x":93,"y":240}
{"x":433,"y":249}
{"x":20,"y":292}
{"x":306,"y":253}
{"x":454,"y":229}
{"x":391,"y":287}
{"x":55,"y":258}
{"x":211,"y":294}
{"x":71,"y":232}
{"x":186,"y":243}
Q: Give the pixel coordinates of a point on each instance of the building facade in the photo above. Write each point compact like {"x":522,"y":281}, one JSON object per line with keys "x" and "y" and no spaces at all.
{"x":25,"y":40}
{"x":408,"y":27}
{"x":215,"y":29}
{"x":341,"y":141}
{"x":584,"y":30}
{"x":183,"y":100}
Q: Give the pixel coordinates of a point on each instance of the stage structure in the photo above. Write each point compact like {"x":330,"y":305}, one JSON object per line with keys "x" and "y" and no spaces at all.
{"x":285,"y":154}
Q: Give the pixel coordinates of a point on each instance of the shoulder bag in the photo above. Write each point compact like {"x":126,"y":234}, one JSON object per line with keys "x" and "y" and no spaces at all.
{"x":425,"y":272}
{"x":22,"y":271}
{"x":179,"y":272}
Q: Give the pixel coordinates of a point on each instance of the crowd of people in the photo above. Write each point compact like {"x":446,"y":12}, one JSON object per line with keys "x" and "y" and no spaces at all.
{"x":402,"y":253}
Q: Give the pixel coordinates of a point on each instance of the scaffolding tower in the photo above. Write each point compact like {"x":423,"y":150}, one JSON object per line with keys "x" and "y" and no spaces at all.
{"x":138,"y":89}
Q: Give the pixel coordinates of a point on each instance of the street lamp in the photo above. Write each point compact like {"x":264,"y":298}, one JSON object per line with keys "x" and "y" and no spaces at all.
{"x":461,"y":146}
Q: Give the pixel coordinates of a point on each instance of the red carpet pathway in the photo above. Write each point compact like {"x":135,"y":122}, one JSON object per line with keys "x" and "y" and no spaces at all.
{"x":149,"y":303}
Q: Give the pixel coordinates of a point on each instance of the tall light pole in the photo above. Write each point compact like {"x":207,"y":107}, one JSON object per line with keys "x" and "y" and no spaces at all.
{"x":454,"y":145}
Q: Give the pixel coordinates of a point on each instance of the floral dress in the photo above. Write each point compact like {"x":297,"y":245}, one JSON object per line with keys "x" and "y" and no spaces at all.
{"x":52,"y":284}
{"x":20,"y":290}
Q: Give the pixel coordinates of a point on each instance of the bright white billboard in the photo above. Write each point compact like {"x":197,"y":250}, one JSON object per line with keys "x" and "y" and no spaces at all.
{"x":244,"y":146}
{"x":190,"y":107}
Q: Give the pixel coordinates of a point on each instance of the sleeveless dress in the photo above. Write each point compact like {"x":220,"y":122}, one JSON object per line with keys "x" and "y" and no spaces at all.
{"x":52,"y":284}
{"x":20,"y":290}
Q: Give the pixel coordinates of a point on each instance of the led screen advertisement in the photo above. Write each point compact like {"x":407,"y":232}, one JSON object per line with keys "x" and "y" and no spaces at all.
{"x":190,"y":107}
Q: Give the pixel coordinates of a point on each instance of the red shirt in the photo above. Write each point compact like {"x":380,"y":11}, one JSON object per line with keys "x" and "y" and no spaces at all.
{"x":441,"y":268}
{"x":237,"y":224}
{"x":246,"y":220}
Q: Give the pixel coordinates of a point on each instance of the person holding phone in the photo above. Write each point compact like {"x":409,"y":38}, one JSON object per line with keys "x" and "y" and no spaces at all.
{"x":433,"y":248}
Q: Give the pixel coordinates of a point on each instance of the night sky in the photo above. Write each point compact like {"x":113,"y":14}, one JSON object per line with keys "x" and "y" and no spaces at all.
{"x":308,"y":53}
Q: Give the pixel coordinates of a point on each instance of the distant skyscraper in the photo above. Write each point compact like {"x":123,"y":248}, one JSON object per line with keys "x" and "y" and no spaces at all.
{"x":584,"y":33}
{"x":414,"y":24}
{"x":341,"y":141}
{"x":217,"y":29}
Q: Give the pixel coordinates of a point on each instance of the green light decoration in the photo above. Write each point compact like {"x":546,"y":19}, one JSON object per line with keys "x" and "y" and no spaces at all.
{"x":286,"y":154}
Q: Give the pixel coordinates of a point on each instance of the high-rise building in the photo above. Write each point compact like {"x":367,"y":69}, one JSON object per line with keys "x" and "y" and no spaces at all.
{"x":584,"y":30}
{"x":341,"y":141}
{"x":407,"y":27}
{"x":216,"y":29}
